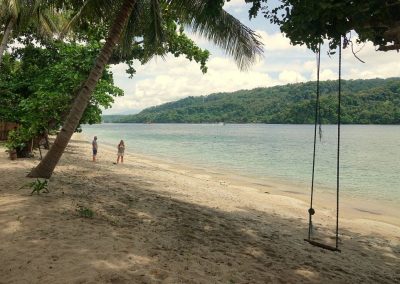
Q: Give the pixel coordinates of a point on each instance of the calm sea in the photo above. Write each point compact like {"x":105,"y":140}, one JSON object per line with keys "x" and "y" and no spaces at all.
{"x":370,"y":154}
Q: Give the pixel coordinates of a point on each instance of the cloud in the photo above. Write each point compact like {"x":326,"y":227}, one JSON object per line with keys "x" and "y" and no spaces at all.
{"x":289,"y":76}
{"x":234,"y":4}
{"x":278,"y":42}
{"x":162,"y":81}
{"x":177,"y":78}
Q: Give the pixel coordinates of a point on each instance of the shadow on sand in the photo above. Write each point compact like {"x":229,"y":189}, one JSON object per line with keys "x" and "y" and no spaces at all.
{"x":140,"y":235}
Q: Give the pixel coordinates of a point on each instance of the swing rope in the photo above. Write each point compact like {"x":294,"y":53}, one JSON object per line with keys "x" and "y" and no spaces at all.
{"x":311,"y":211}
{"x":338,"y":143}
{"x":317,"y":119}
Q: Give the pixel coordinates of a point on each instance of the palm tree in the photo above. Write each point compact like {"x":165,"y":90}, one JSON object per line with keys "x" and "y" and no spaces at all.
{"x":201,"y":15}
{"x":9,"y":14}
{"x":20,"y":15}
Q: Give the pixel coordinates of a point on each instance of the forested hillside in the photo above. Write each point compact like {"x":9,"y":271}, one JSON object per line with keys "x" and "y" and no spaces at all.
{"x":375,"y":101}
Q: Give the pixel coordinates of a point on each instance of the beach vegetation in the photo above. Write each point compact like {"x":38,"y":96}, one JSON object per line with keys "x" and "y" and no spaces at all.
{"x":15,"y":140}
{"x":39,"y":83}
{"x":19,"y":17}
{"x":84,"y":212}
{"x":38,"y":186}
{"x":20,"y":140}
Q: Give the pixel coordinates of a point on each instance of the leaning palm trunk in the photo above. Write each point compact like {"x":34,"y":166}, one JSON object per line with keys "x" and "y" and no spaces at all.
{"x":5,"y":38}
{"x":46,"y":166}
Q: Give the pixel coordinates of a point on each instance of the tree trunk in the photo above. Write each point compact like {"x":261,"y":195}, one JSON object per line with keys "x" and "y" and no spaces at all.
{"x":46,"y":166}
{"x":5,"y":38}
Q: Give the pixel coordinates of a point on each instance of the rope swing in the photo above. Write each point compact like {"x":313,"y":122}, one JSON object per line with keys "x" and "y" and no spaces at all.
{"x":311,"y":210}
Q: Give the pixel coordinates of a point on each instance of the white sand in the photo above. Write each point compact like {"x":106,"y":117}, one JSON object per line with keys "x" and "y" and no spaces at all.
{"x":156,"y":222}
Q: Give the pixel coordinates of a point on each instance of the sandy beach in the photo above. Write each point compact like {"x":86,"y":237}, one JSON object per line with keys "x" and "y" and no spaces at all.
{"x":157,"y":222}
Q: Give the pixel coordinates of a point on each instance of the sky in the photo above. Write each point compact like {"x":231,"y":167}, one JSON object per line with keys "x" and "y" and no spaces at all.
{"x":169,"y":79}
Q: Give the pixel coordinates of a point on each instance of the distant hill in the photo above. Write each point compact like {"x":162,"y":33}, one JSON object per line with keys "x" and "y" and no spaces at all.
{"x":375,"y":101}
{"x":107,"y":118}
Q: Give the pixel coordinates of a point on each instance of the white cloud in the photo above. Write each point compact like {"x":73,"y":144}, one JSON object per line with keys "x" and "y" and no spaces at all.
{"x":234,"y":4}
{"x":162,"y":81}
{"x":289,"y":76}
{"x":178,"y":78}
{"x":310,"y":65}
{"x":278,"y":42}
{"x":328,"y":74}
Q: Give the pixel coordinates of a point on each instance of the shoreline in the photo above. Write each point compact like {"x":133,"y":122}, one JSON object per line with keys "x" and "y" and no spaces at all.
{"x":351,"y":207}
{"x":155,"y":222}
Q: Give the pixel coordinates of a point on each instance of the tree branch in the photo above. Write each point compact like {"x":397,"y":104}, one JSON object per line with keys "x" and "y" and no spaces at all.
{"x":389,"y":47}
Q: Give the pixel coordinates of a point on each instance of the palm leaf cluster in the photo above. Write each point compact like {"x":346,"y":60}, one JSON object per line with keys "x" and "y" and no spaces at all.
{"x":153,"y":22}
{"x":220,"y":27}
{"x":26,"y":15}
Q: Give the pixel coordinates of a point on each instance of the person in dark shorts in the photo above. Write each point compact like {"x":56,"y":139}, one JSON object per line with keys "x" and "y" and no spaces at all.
{"x":94,"y":148}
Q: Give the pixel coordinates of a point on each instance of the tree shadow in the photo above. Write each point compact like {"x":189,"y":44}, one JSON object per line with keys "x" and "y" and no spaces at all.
{"x":140,"y":234}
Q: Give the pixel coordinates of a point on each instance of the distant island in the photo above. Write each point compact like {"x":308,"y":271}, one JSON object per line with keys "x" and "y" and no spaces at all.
{"x":374,"y":101}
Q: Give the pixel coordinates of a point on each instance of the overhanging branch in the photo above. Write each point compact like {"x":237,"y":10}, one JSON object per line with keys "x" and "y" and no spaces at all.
{"x":389,"y":47}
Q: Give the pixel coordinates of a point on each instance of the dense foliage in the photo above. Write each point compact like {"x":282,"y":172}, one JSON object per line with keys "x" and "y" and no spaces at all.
{"x":375,"y":101}
{"x":38,"y":84}
{"x":310,"y":22}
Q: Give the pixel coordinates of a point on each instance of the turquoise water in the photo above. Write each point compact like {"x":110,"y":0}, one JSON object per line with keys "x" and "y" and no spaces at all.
{"x":370,"y":155}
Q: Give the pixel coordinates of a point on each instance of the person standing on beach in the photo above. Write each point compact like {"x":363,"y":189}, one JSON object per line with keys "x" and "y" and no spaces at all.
{"x":121,"y":151}
{"x":94,"y":148}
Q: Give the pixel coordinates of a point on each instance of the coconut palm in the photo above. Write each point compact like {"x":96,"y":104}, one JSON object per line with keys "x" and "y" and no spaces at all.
{"x":20,"y":15}
{"x":203,"y":16}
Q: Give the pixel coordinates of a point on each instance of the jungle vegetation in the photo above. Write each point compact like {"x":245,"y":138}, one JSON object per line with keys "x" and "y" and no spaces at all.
{"x":374,"y":101}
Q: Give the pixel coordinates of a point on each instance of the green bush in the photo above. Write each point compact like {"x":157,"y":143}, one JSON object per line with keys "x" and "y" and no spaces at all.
{"x":18,"y":140}
{"x":38,"y":186}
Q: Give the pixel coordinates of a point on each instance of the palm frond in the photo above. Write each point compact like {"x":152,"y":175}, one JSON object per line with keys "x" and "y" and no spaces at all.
{"x":67,"y":27}
{"x":90,"y":8}
{"x":146,"y":25}
{"x":209,"y":20}
{"x":131,"y":29}
{"x":14,"y":7}
{"x":47,"y":25}
{"x":26,"y":14}
{"x":156,"y":34}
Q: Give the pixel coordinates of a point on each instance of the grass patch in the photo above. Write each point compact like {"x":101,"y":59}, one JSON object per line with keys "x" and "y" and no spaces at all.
{"x":84,"y":212}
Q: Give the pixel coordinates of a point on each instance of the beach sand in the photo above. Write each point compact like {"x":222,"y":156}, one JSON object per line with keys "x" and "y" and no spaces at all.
{"x":156,"y":222}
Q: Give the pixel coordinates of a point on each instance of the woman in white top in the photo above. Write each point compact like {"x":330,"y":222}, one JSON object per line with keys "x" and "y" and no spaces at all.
{"x":121,"y":150}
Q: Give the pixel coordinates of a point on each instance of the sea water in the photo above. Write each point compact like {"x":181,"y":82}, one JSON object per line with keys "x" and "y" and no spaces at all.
{"x":369,"y":154}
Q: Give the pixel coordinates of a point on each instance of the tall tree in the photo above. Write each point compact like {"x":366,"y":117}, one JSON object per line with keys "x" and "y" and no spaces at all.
{"x":310,"y":22}
{"x":38,"y":84}
{"x":46,"y":166}
{"x":204,"y":16}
